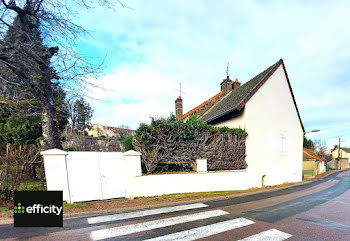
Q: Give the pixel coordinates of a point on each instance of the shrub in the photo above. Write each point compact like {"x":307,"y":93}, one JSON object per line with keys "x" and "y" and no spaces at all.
{"x":71,"y":148}
{"x":128,"y":143}
{"x":182,"y":142}
{"x":15,"y":162}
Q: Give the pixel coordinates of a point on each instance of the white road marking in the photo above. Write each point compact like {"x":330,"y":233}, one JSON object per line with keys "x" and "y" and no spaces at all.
{"x":139,"y":227}
{"x":269,"y":235}
{"x":122,"y":216}
{"x":205,"y":231}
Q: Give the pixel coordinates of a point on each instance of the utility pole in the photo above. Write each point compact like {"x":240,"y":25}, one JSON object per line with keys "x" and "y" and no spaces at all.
{"x":339,"y":155}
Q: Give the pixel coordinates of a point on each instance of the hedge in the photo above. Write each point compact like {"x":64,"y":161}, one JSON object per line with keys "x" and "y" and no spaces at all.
{"x":179,"y":143}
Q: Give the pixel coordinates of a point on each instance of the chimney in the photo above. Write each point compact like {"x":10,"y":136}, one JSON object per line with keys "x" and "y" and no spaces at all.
{"x":236,"y":84}
{"x":226,"y":85}
{"x":178,"y":108}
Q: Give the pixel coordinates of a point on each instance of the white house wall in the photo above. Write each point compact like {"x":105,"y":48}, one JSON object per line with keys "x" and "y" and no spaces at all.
{"x":321,"y":167}
{"x":238,"y":122}
{"x":270,"y":115}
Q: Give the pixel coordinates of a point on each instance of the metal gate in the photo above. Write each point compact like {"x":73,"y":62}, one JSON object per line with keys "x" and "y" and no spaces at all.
{"x":96,"y":175}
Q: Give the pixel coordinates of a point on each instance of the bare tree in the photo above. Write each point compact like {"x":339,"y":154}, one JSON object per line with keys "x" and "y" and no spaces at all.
{"x":320,"y":147}
{"x":31,"y":63}
{"x":15,"y":162}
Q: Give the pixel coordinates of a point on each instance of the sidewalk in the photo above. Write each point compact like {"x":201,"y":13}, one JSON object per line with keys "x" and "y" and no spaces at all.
{"x":117,"y":205}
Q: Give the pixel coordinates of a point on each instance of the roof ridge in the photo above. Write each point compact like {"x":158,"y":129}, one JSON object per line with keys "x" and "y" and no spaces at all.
{"x":202,"y":104}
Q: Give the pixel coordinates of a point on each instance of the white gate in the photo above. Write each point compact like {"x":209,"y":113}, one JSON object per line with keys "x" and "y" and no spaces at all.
{"x":96,"y":175}
{"x":112,"y":166}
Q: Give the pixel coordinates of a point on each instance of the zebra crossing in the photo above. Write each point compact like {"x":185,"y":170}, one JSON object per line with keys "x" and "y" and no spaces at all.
{"x":186,"y":235}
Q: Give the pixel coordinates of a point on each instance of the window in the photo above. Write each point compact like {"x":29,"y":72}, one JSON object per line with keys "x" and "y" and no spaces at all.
{"x":284,"y":146}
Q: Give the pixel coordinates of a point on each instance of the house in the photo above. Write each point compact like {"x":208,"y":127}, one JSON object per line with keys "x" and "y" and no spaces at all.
{"x":312,"y":163}
{"x":266,"y":108}
{"x":99,"y":138}
{"x":340,"y":158}
{"x":339,"y":163}
{"x":97,"y":130}
{"x":344,"y":152}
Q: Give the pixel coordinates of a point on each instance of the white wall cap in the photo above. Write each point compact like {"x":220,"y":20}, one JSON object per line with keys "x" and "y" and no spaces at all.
{"x":54,"y":151}
{"x":132,"y":153}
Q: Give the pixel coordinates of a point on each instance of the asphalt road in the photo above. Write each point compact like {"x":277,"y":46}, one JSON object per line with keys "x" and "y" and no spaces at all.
{"x":314,"y":211}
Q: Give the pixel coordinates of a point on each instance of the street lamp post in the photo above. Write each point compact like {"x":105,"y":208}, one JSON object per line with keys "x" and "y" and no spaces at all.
{"x":315,"y":130}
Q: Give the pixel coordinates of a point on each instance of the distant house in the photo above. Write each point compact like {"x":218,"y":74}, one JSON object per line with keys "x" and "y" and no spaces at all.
{"x":312,"y":163}
{"x":98,"y":130}
{"x":266,"y":108}
{"x":99,"y":138}
{"x":343,"y":153}
{"x":339,"y":163}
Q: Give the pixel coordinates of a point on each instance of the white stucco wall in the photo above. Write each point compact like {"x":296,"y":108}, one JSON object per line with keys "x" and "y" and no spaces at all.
{"x":153,"y":185}
{"x":271,"y":113}
{"x":238,"y":122}
{"x":136,"y":185}
{"x":321,"y":167}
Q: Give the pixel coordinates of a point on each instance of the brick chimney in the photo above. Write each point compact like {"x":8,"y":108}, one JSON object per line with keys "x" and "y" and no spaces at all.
{"x":226,"y":85}
{"x":178,"y":108}
{"x":236,"y":84}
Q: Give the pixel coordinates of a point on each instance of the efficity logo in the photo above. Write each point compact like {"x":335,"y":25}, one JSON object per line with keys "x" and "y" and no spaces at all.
{"x":38,"y":209}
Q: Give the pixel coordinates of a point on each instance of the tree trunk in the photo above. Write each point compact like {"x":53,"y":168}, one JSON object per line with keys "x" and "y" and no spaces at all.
{"x":50,"y":130}
{"x":34,"y":172}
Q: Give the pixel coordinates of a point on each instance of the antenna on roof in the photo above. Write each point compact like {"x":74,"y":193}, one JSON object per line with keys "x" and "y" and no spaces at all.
{"x":180,"y":89}
{"x":227,"y":69}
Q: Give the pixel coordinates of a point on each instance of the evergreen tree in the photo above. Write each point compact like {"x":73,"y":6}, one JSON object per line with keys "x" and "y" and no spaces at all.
{"x":19,"y":127}
{"x":308,"y":144}
{"x":21,"y":123}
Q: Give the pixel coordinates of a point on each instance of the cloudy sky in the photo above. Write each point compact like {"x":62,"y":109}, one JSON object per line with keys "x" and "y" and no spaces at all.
{"x":154,"y":46}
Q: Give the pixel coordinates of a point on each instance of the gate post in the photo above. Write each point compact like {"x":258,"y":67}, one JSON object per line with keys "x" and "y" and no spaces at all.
{"x":133,"y":169}
{"x":56,"y":174}
{"x":201,"y":165}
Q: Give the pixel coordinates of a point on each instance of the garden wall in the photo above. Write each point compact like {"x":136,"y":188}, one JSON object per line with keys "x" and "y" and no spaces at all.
{"x":153,"y":185}
{"x":81,"y":175}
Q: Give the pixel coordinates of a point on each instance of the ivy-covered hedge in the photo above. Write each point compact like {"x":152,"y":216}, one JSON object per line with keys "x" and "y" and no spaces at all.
{"x":168,"y":144}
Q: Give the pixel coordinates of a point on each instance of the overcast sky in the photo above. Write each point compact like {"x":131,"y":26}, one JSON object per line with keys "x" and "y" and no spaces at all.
{"x":151,"y":49}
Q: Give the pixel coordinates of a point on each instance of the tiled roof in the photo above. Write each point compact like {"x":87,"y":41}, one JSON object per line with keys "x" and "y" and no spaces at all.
{"x":234,"y":99}
{"x":346,"y":149}
{"x":237,"y":99}
{"x":202,"y":105}
{"x":308,"y":154}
